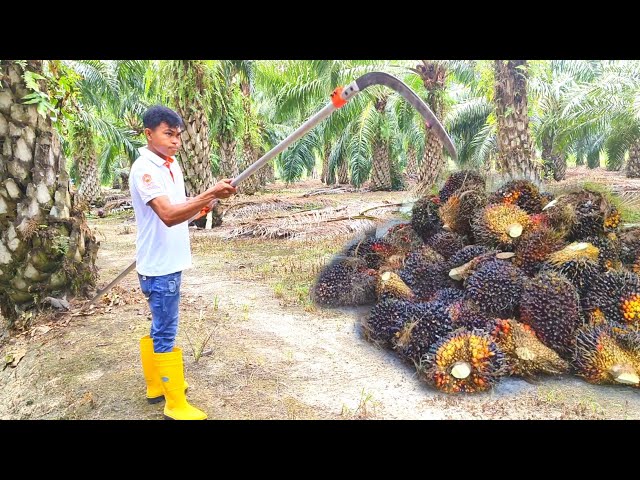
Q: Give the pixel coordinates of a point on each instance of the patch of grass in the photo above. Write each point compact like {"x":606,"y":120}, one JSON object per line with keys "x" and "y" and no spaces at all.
{"x":629,"y":208}
{"x":366,"y":409}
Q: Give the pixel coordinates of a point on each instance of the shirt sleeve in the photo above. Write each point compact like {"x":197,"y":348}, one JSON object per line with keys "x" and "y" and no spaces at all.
{"x":148,"y":183}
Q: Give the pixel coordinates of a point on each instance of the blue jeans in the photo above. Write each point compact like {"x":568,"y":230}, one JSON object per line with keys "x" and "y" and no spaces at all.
{"x":163,"y":294}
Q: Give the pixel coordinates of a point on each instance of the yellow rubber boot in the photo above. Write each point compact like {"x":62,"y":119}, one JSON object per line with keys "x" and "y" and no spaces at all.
{"x":155,"y":393}
{"x":171,"y":370}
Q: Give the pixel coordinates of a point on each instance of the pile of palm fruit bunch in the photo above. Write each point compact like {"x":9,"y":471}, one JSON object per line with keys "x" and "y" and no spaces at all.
{"x":480,"y":285}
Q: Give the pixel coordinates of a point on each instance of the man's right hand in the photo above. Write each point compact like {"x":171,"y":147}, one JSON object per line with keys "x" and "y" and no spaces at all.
{"x":223,"y":189}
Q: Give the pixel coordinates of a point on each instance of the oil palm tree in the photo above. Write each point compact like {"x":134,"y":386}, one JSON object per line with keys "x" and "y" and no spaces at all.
{"x":46,"y":247}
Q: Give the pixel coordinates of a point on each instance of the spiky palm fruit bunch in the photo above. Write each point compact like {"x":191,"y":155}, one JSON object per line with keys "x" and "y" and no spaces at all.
{"x":526,"y":355}
{"x":466,"y":313}
{"x":345,"y":281}
{"x":468,"y":253}
{"x":499,"y":225}
{"x":534,"y":248}
{"x":464,"y":271}
{"x":458,"y":211}
{"x":462,"y":180}
{"x":609,"y":250}
{"x":403,"y":238}
{"x":592,"y":211}
{"x":551,"y":307}
{"x":595,"y":317}
{"x":574,"y":251}
{"x":425,"y":219}
{"x":425,"y":272}
{"x":464,"y":362}
{"x":612,"y":220}
{"x":599,"y":357}
{"x":496,"y":286}
{"x":580,"y":272}
{"x":430,"y":322}
{"x":546,"y":198}
{"x":386,"y":319}
{"x":373,"y":250}
{"x":446,"y":243}
{"x":390,"y":284}
{"x":617,"y":295}
{"x":629,"y":341}
{"x":539,"y":220}
{"x":630,"y":247}
{"x":560,"y":215}
{"x":447,"y":295}
{"x":521,"y":193}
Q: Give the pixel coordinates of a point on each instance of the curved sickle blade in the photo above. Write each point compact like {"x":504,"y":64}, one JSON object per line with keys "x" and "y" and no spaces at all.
{"x":381,"y":78}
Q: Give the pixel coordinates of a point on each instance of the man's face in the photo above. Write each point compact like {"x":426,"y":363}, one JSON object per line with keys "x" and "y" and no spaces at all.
{"x":164,"y":139}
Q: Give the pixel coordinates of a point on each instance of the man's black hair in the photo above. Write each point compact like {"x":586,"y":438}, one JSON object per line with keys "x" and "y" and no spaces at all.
{"x":157,"y":114}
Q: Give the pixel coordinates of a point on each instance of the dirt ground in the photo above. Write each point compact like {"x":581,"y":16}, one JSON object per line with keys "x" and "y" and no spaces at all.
{"x":255,"y":347}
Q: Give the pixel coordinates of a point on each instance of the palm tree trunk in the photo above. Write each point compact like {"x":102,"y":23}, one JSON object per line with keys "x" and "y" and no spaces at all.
{"x":381,"y":168}
{"x":196,"y":153}
{"x":554,"y":163}
{"x":343,"y":171}
{"x":46,"y":247}
{"x":85,"y":153}
{"x":633,"y":164}
{"x":228,"y":161}
{"x":412,"y":162}
{"x":559,"y":162}
{"x":593,"y":159}
{"x":325,"y":163}
{"x":515,"y":155}
{"x":433,"y":77}
{"x":432,"y":163}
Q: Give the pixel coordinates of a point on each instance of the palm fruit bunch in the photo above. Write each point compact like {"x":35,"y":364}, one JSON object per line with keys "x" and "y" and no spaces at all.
{"x":461,"y":181}
{"x":609,"y":247}
{"x":629,"y":341}
{"x":617,"y":295}
{"x":464,"y":362}
{"x":458,"y":211}
{"x":447,"y":295}
{"x":526,"y":355}
{"x":446,"y":243}
{"x":630,"y":248}
{"x":425,"y":219}
{"x":551,"y":307}
{"x":425,"y":272}
{"x":512,"y":282}
{"x":345,"y":281}
{"x":580,"y":272}
{"x":430,"y":323}
{"x":373,"y":250}
{"x":560,"y":215}
{"x":465,"y":313}
{"x":468,"y":253}
{"x":534,"y":248}
{"x":600,"y":358}
{"x":521,"y":193}
{"x":390,"y":284}
{"x":594,"y":214}
{"x":496,"y":286}
{"x":578,"y":262}
{"x":387,"y":318}
{"x":403,"y":238}
{"x":499,"y":225}
{"x":464,"y":271}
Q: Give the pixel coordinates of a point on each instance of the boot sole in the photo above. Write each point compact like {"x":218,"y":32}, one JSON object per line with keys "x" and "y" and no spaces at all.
{"x":160,"y":398}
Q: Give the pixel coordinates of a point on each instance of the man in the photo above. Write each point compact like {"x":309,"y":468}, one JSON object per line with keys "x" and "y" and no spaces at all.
{"x":163,"y":252}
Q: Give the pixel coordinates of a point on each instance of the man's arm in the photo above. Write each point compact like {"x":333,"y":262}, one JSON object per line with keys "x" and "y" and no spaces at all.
{"x":176,"y":214}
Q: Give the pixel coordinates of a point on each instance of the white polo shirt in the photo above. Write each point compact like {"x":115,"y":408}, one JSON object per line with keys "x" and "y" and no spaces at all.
{"x":160,"y":250}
